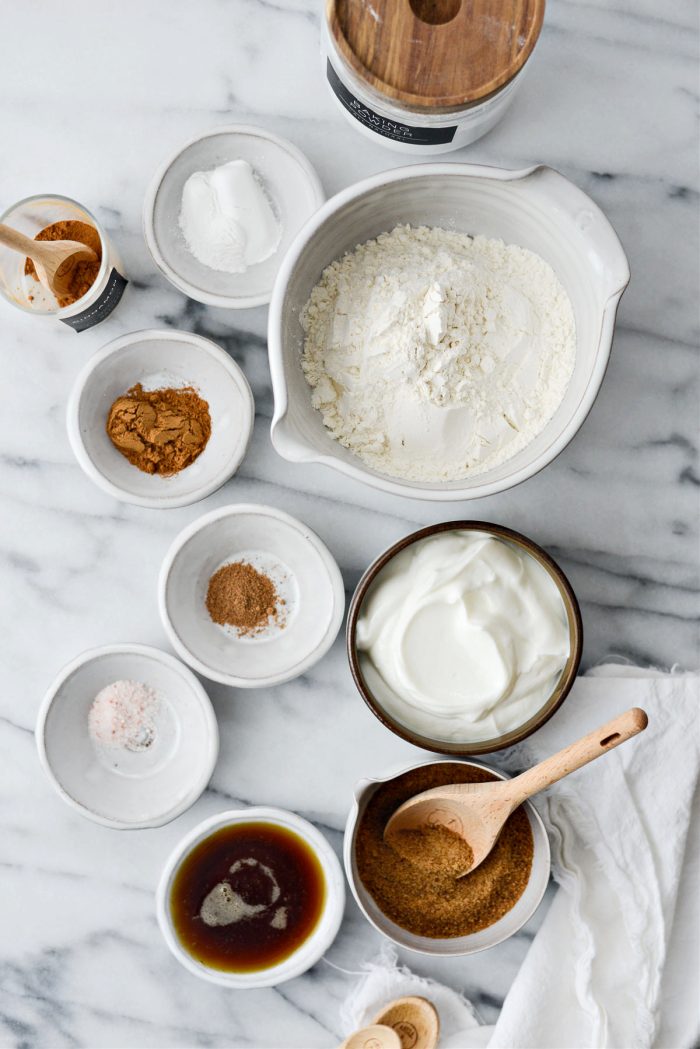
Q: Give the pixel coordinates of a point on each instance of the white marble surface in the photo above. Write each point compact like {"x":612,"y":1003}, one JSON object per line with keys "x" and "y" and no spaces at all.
{"x":93,"y":96}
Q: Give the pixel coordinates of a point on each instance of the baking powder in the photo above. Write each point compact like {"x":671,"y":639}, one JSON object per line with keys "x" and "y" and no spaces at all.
{"x":226,"y":218}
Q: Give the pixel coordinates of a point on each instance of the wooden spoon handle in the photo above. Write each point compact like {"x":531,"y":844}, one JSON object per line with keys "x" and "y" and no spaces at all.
{"x":17,"y":241}
{"x":573,"y":757}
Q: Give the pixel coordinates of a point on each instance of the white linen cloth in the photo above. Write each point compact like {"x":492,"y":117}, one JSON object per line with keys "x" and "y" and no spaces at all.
{"x":384,"y":981}
{"x":616,"y":960}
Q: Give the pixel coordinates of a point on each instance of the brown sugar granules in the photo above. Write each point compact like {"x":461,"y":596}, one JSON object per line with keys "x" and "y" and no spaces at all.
{"x":435,"y":903}
{"x":240,"y":596}
{"x":433,"y":848}
{"x":84,"y":273}
{"x":160,"y":431}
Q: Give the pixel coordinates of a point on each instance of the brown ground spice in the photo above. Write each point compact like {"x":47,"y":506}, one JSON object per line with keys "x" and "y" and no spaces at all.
{"x":84,"y":273}
{"x":436,"y":904}
{"x":240,"y":596}
{"x":160,"y":431}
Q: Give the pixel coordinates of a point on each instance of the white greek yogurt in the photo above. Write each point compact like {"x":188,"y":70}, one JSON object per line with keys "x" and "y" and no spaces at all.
{"x":462,"y":636}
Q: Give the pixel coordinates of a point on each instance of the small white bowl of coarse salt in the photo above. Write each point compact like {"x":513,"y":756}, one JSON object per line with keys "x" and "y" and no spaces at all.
{"x":127,"y":736}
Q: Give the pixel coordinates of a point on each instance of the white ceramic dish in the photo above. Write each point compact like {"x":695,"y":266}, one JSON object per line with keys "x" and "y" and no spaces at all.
{"x":119,"y":789}
{"x":157,"y":359}
{"x":310,"y":951}
{"x":537,"y":209}
{"x":291,"y":184}
{"x":507,"y":926}
{"x":308,"y":578}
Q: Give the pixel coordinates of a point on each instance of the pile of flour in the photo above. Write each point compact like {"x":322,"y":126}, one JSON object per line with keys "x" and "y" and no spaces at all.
{"x":433,"y":355}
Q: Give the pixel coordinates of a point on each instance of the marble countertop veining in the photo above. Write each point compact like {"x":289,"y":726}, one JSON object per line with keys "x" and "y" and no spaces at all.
{"x":93,"y":96}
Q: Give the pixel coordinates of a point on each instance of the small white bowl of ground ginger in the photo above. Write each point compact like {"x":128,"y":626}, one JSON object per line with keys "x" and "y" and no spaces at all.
{"x":160,"y":418}
{"x":428,"y":910}
{"x":250,"y":597}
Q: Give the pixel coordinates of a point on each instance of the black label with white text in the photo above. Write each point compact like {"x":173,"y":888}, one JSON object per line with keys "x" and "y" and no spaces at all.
{"x":113,"y":291}
{"x":414,"y":136}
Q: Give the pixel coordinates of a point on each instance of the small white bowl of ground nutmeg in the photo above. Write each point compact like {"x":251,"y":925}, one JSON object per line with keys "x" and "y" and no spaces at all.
{"x":249,"y":596}
{"x":160,"y":418}
{"x":429,"y":910}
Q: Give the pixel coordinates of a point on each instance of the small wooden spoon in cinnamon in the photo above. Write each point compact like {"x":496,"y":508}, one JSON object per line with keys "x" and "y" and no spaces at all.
{"x":476,"y":812}
{"x":54,"y":260}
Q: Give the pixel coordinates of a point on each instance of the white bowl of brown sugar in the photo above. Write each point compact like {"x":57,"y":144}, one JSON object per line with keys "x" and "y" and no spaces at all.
{"x":160,"y":418}
{"x":250,"y":596}
{"x":432,"y":911}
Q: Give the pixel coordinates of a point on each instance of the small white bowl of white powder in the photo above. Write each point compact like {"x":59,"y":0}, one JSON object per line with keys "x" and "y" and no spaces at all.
{"x":220,"y":214}
{"x":441,"y":331}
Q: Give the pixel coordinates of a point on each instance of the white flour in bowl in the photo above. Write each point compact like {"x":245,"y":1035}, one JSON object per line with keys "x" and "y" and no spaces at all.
{"x":434,"y":355}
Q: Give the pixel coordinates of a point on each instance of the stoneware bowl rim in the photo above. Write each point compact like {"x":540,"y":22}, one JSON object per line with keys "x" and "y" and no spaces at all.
{"x":573,"y":615}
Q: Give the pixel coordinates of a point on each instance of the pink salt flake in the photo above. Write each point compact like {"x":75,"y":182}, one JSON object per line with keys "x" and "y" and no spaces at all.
{"x":123,"y":715}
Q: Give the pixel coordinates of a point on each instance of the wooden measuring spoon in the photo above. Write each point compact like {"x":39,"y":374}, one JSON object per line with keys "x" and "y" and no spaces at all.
{"x":477,"y":811}
{"x":414,"y":1019}
{"x":54,"y":260}
{"x":376,"y":1036}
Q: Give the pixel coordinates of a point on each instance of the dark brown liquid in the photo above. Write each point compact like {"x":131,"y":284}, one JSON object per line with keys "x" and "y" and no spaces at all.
{"x":284,"y":916}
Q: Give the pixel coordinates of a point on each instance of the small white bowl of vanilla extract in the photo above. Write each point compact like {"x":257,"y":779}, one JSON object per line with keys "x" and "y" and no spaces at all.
{"x":251,"y":898}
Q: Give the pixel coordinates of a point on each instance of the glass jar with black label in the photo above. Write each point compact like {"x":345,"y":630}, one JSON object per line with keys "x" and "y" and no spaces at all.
{"x":96,"y":287}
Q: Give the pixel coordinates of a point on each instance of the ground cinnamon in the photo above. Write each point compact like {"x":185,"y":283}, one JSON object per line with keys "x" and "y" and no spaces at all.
{"x":239,"y":595}
{"x":436,"y":903}
{"x":84,"y":273}
{"x":159,"y":431}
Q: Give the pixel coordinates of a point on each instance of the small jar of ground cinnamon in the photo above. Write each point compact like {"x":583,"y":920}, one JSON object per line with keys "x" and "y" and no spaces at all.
{"x":96,"y":286}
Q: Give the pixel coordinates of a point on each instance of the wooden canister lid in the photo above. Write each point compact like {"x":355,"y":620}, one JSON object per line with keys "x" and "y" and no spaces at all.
{"x":435,"y":53}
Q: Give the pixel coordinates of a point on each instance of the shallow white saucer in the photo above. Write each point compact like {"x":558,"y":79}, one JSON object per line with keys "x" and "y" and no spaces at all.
{"x":307,"y":576}
{"x":115,"y":787}
{"x":289,"y":180}
{"x":158,"y":359}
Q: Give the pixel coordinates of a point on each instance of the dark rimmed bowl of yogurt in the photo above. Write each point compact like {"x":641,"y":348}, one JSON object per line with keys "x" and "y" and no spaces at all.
{"x":464,"y":637}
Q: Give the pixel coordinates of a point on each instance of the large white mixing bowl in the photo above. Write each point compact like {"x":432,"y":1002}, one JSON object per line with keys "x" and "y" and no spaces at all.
{"x":537,"y":209}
